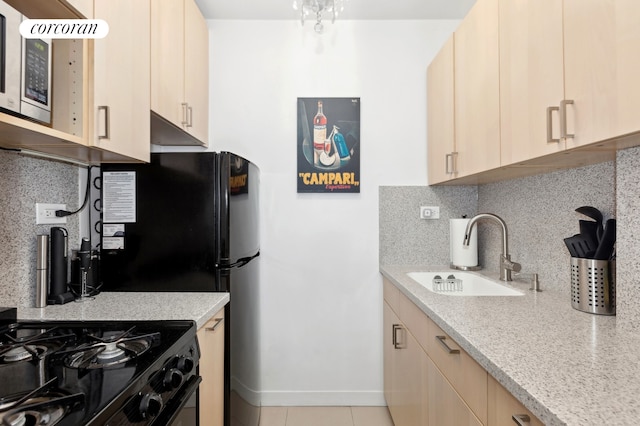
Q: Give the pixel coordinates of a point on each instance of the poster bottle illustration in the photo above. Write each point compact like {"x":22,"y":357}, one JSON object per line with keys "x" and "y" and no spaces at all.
{"x":319,"y":133}
{"x":341,"y":145}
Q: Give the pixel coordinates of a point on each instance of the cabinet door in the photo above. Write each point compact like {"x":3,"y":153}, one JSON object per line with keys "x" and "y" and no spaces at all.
{"x":440,"y":121}
{"x":211,"y":342}
{"x":503,"y":406}
{"x":477,"y":108}
{"x":602,"y":41}
{"x":402,"y":372}
{"x":465,"y":375}
{"x":531,"y":78}
{"x":167,"y":59}
{"x":196,"y":84}
{"x":388,"y":353}
{"x":121,"y":121}
{"x":446,"y":408}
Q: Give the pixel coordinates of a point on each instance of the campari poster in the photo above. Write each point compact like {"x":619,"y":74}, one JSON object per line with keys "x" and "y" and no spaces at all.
{"x":328,"y":144}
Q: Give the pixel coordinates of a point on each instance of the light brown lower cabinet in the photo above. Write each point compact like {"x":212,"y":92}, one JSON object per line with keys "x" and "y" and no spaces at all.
{"x":404,"y":385}
{"x":430,"y":381}
{"x":446,"y":407}
{"x":506,"y":410}
{"x":211,"y":342}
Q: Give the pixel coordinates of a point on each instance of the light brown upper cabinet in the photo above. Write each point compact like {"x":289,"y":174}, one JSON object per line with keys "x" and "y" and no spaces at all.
{"x":179,"y":73}
{"x":99,"y":87}
{"x":121,"y":91}
{"x":531,"y":78}
{"x":565,"y":88}
{"x":440,"y":124}
{"x":477,"y":91}
{"x":601,"y":65}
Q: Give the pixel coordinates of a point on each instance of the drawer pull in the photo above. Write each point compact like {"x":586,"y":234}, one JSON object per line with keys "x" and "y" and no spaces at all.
{"x":550,"y":138}
{"x":521,"y":419}
{"x":218,"y":322}
{"x":185,"y":114}
{"x":450,"y":159}
{"x":189,"y":117}
{"x":103,"y":111}
{"x":396,"y":342}
{"x":442,"y":339}
{"x":563,"y":118}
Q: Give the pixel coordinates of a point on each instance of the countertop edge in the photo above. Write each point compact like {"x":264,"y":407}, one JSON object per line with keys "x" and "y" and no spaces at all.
{"x":125,"y":306}
{"x":502,"y":377}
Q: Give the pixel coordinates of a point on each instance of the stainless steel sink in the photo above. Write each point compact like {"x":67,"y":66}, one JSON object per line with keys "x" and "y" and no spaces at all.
{"x":460,"y":283}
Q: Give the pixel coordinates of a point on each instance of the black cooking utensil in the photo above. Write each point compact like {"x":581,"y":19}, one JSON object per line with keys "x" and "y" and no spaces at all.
{"x":605,"y":247}
{"x":589,"y":229}
{"x":594,"y":214}
{"x":580,"y":246}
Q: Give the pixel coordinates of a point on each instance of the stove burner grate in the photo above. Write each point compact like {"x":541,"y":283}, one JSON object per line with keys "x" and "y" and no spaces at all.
{"x":32,"y":347}
{"x":42,"y":406}
{"x":112,"y":349}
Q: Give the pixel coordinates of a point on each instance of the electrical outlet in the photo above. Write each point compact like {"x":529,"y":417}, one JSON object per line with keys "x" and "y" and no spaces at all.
{"x":429,"y":212}
{"x":46,"y":214}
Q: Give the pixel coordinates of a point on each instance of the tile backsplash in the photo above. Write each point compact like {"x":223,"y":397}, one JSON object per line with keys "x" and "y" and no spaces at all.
{"x":539,"y":212}
{"x":23,"y":182}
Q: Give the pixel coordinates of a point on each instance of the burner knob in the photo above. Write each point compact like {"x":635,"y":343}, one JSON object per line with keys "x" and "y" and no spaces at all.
{"x":173,"y":378}
{"x":151,"y":405}
{"x":185,"y":364}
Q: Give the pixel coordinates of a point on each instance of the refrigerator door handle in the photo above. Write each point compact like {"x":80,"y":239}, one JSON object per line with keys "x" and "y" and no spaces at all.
{"x":241,"y":262}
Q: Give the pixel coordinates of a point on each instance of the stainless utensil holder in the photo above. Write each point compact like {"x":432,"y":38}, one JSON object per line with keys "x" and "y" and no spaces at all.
{"x":593,"y":286}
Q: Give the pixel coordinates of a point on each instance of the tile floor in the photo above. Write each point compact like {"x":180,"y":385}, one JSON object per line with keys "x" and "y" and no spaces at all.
{"x":325,"y":416}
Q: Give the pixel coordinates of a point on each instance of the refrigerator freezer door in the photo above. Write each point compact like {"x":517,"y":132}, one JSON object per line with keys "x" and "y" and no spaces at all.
{"x":171,"y":245}
{"x":239,"y":209}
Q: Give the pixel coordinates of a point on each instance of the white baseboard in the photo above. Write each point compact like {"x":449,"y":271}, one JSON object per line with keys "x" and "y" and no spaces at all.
{"x":328,"y":398}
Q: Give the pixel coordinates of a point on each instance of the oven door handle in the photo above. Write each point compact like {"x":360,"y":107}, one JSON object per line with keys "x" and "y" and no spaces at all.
{"x":174,"y":406}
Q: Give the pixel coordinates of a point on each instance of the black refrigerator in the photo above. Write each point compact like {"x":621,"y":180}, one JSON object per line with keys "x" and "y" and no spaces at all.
{"x":189,"y":222}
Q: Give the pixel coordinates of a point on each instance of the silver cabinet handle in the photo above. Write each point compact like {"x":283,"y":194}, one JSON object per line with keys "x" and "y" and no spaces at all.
{"x":218,"y":322}
{"x":442,"y":339}
{"x":105,"y":110}
{"x":550,"y":138}
{"x":450,"y":159}
{"x":185,"y":120}
{"x":189,"y":116}
{"x":563,"y":118}
{"x":521,"y":419}
{"x":396,"y":342}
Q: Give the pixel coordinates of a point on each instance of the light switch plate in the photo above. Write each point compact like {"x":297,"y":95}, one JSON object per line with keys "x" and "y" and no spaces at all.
{"x":429,"y":212}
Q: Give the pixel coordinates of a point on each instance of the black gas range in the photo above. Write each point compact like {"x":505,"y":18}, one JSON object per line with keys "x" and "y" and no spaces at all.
{"x":96,"y":372}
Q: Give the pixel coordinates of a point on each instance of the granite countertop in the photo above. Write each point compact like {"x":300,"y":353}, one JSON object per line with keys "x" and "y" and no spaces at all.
{"x":199,"y":307}
{"x":566,"y":366}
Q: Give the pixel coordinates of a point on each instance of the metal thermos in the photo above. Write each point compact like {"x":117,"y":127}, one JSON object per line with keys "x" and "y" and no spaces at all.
{"x":59,"y":262}
{"x":42,"y":270}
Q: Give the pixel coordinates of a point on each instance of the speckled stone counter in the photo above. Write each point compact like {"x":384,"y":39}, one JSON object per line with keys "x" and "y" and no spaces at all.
{"x":567,"y":367}
{"x":199,"y":307}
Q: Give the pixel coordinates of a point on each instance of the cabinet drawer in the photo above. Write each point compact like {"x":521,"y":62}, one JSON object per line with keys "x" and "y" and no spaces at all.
{"x":503,"y":407}
{"x":466,"y":376}
{"x":445,"y":407}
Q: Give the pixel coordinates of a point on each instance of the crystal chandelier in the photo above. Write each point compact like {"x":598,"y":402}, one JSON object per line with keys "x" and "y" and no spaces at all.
{"x":317,"y":8}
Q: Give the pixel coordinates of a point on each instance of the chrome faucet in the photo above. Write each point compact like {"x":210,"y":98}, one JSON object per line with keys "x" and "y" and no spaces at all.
{"x":506,"y":265}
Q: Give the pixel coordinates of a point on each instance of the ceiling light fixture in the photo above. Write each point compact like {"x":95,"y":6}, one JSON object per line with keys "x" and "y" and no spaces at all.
{"x":317,"y":8}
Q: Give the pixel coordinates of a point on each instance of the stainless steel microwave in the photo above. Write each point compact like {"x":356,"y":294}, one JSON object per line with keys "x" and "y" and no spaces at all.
{"x":25,"y":70}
